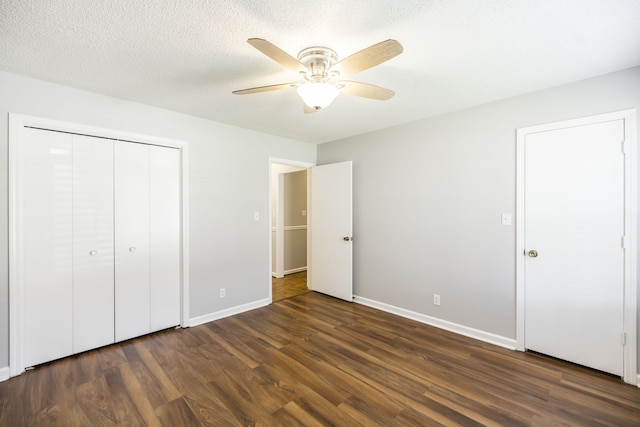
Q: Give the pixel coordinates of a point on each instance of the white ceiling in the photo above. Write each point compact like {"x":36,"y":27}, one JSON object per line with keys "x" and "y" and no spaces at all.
{"x":188,"y":55}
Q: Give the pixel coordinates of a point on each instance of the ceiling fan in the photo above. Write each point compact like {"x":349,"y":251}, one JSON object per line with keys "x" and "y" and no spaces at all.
{"x":320,"y":66}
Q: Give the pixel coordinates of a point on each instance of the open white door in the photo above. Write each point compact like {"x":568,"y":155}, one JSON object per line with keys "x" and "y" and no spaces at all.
{"x":331,"y":247}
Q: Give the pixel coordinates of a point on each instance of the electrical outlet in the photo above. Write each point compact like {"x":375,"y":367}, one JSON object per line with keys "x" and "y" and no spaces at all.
{"x":223,"y":292}
{"x":436,"y":299}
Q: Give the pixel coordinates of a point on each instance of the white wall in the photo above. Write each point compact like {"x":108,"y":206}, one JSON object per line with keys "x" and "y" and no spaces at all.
{"x":228,"y":181}
{"x":427,"y":196}
{"x":428,"y":199}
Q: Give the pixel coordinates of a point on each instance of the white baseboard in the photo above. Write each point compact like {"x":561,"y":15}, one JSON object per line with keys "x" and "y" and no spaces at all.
{"x":228,"y":312}
{"x":295,"y":270}
{"x":439,"y":323}
{"x":4,"y":374}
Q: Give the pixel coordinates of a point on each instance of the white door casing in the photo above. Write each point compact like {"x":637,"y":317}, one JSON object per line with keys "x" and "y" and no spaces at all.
{"x":331,"y":234}
{"x":576,"y":209}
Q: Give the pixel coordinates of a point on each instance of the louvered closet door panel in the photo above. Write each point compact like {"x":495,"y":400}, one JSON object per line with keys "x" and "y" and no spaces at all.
{"x":164,"y":237}
{"x":131,"y":179}
{"x":92,"y":243}
{"x":44,"y":246}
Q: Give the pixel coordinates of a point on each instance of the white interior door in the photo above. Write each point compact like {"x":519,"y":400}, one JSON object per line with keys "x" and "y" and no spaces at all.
{"x":331,"y":230}
{"x":131,"y":186}
{"x":93,"y":300}
{"x":43,"y":223}
{"x":573,"y":231}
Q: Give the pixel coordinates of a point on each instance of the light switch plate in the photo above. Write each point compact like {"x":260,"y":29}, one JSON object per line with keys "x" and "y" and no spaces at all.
{"x":506,"y":219}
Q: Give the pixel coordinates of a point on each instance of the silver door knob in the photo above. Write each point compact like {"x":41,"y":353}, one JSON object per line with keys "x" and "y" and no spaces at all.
{"x":533,"y":253}
{"x":133,"y":249}
{"x":93,"y":253}
{"x":347,"y":238}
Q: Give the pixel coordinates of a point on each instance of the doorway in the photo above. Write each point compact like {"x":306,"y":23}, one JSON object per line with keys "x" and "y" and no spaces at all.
{"x":576,"y":263}
{"x":329,"y":233}
{"x":289,"y":229}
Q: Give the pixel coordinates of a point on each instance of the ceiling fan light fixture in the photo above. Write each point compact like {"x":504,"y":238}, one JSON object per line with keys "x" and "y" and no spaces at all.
{"x":318,"y":95}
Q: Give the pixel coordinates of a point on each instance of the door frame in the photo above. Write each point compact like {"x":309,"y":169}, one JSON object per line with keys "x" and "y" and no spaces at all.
{"x":295,"y":163}
{"x":17,"y":122}
{"x":629,"y":147}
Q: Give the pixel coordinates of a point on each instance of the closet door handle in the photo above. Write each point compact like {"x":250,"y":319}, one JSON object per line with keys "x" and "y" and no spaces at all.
{"x":93,"y":253}
{"x":133,"y":249}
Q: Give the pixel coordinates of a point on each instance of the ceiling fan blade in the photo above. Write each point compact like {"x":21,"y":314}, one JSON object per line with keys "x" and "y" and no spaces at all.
{"x":277,"y":54}
{"x":369,"y":57}
{"x":365,"y":90}
{"x":264,"y":88}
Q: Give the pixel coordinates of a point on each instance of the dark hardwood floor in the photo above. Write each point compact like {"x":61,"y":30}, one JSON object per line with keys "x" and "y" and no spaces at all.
{"x":289,"y":286}
{"x":312,"y":360}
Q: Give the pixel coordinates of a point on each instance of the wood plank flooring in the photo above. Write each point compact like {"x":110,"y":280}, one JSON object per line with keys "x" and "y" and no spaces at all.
{"x":312,"y":360}
{"x":289,"y":286}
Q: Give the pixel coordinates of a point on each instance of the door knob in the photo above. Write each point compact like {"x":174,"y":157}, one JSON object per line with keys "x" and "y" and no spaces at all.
{"x":93,"y":253}
{"x":133,"y":249}
{"x":347,"y":238}
{"x":533,"y":253}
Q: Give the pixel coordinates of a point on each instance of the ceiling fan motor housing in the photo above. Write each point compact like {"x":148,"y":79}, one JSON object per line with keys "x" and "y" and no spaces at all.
{"x":318,"y":60}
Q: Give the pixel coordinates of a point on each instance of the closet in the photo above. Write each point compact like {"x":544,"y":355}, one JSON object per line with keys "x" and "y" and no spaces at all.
{"x":97,"y":241}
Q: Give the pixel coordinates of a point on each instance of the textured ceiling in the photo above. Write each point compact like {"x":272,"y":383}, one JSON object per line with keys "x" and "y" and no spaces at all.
{"x":188,"y":55}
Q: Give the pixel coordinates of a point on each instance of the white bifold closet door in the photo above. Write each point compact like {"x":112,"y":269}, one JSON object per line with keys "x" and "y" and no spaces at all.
{"x":45,"y":243}
{"x":98,"y":241}
{"x":164,"y":237}
{"x":93,"y":299}
{"x":147,"y":222}
{"x":65,"y":243}
{"x":131,"y":178}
